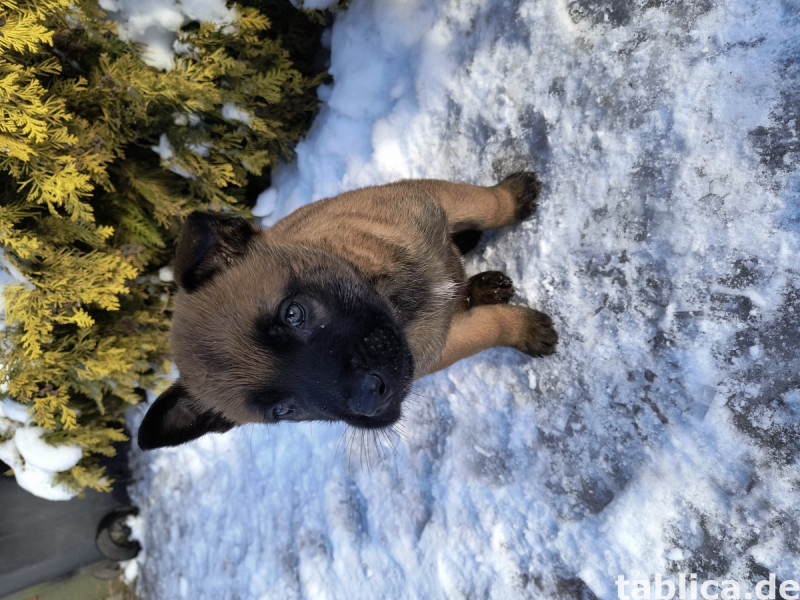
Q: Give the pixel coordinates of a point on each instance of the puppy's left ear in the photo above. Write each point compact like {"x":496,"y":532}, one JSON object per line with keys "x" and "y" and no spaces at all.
{"x":174,"y":419}
{"x":209,"y":243}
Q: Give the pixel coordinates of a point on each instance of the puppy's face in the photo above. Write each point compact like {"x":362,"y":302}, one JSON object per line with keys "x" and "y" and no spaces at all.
{"x":264,"y":333}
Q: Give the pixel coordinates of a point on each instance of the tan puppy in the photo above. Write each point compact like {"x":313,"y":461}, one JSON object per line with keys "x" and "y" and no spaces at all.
{"x":336,"y":309}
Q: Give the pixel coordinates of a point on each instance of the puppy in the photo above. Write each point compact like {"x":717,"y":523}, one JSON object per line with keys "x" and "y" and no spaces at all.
{"x":333,"y":312}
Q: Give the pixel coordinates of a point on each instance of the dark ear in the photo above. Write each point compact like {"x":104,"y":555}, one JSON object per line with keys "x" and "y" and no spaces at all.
{"x":173,"y":419}
{"x":209,"y":242}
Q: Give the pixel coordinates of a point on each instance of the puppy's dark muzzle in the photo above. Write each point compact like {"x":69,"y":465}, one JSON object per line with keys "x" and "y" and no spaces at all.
{"x":382,"y":373}
{"x":371,"y":397}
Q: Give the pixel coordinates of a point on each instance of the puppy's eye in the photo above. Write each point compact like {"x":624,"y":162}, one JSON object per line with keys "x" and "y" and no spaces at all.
{"x":281,"y":410}
{"x":295,"y":315}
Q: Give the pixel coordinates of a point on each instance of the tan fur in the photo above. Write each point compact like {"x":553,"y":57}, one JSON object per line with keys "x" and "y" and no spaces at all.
{"x":371,"y":225}
{"x":394,"y":239}
{"x":398,"y":234}
{"x":484,"y":327}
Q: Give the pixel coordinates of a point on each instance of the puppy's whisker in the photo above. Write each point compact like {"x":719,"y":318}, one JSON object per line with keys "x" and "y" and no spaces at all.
{"x":388,"y":434}
{"x":349,"y":446}
{"x":370,"y":451}
{"x":375,"y":443}
{"x":366,"y":447}
{"x":361,"y":448}
{"x":380,"y":447}
{"x":400,"y":429}
{"x":339,"y":442}
{"x":388,"y":444}
{"x":415,"y":397}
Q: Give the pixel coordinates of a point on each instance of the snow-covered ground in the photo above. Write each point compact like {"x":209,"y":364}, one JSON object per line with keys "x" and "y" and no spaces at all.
{"x":662,"y":438}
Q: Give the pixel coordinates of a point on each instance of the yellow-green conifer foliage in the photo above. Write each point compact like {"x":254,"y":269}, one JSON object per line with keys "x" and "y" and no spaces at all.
{"x":89,"y":211}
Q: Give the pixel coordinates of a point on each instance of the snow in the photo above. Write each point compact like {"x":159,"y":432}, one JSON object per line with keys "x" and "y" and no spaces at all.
{"x":38,"y":482}
{"x":164,"y":148}
{"x":35,"y":462}
{"x":166,"y":274}
{"x":314,"y":4}
{"x":14,"y":411}
{"x":661,"y":439}
{"x":235,"y":113}
{"x":37,"y":452}
{"x":153,"y":23}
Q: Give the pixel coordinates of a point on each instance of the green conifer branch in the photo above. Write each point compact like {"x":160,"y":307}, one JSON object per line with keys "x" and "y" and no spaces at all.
{"x":90,"y":211}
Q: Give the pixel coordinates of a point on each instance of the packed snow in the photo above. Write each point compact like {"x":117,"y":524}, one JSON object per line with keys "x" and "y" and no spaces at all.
{"x":35,"y":462}
{"x":662,"y":440}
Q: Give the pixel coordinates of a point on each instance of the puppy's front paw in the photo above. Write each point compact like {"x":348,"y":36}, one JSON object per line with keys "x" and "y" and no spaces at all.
{"x":489,"y":287}
{"x":525,"y":187}
{"x":538,"y":338}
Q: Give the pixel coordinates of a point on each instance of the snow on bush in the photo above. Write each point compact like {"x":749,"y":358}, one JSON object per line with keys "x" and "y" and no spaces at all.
{"x":35,"y":462}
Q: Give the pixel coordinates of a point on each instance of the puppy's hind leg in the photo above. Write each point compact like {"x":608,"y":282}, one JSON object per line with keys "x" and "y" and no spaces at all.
{"x":477,"y":207}
{"x":487,"y":326}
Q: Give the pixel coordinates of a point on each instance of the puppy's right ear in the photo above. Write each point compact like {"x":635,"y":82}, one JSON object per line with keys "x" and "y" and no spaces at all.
{"x":209,"y":243}
{"x":175,"y":419}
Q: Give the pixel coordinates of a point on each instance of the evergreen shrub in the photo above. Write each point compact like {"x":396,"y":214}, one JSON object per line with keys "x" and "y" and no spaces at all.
{"x":90,"y":211}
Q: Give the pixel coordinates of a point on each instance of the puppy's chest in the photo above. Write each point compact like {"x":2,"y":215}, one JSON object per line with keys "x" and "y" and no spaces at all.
{"x":414,"y":294}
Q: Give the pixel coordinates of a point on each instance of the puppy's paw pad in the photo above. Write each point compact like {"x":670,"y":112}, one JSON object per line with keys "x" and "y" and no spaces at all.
{"x":489,"y":287}
{"x":540,"y":339}
{"x":525,"y":187}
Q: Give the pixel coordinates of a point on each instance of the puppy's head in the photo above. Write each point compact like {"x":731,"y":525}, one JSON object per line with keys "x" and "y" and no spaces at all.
{"x":264,"y":332}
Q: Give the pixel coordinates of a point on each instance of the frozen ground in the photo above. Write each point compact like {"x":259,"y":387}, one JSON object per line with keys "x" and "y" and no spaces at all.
{"x":661,"y":439}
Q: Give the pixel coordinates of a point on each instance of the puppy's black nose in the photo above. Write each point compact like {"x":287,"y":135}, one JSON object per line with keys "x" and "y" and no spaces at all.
{"x":371,"y":396}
